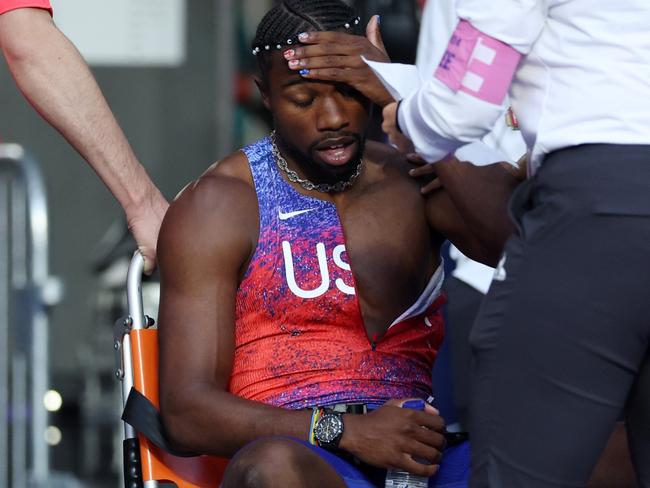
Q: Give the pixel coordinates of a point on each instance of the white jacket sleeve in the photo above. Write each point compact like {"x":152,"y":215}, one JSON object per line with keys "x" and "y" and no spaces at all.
{"x":438,"y":118}
{"x":439,"y":121}
{"x":517,"y":23}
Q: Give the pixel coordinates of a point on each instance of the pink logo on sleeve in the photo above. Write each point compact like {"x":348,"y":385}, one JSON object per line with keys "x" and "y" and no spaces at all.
{"x":478,"y":64}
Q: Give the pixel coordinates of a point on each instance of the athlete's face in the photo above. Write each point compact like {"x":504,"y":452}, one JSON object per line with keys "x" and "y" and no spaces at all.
{"x":319,"y":125}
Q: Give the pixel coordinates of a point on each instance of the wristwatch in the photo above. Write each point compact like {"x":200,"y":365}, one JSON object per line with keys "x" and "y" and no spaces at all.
{"x":329,"y":430}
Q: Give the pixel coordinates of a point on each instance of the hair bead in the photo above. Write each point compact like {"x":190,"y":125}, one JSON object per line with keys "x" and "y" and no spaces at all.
{"x":280,"y":26}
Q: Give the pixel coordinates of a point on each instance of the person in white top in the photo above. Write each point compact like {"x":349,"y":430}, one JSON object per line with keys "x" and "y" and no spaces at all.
{"x":564,"y":324}
{"x":469,"y":280}
{"x":579,"y":72}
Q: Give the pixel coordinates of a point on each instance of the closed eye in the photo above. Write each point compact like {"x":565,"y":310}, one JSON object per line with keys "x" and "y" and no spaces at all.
{"x":303,"y":102}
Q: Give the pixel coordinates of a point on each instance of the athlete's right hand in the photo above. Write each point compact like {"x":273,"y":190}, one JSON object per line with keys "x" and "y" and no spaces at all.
{"x":391,"y":437}
{"x":337,"y":56}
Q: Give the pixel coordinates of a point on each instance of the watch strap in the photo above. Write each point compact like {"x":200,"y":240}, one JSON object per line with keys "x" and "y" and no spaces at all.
{"x":316,"y":414}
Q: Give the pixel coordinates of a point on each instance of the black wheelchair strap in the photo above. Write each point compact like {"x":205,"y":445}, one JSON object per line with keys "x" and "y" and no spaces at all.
{"x":143,"y":416}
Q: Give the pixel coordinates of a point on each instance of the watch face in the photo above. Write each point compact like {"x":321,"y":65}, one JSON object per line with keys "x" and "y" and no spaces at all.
{"x":329,"y":427}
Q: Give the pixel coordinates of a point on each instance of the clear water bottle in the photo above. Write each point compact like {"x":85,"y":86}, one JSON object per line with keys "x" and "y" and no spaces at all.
{"x":403,"y":479}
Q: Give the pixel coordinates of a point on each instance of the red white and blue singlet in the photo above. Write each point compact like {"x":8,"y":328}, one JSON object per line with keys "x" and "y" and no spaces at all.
{"x":300,"y":339}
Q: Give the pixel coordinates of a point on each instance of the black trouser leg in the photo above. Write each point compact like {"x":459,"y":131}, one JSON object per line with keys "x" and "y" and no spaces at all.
{"x":562,"y":334}
{"x":463,"y":303}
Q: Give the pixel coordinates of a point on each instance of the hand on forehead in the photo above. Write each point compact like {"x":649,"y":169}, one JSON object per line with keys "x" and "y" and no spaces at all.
{"x":337,"y":56}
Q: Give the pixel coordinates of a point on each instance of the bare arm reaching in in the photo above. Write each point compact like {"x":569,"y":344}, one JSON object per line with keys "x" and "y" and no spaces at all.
{"x":470,"y":208}
{"x":56,"y":81}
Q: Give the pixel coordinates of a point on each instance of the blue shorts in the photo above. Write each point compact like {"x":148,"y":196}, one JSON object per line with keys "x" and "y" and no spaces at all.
{"x":453,"y":472}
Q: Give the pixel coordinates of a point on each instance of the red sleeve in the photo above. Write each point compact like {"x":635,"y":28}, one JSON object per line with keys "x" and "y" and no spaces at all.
{"x":7,"y":5}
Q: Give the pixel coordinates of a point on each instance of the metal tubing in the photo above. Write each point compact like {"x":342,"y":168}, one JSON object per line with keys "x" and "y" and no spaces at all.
{"x":19,"y":421}
{"x":138,"y":321}
{"x":38,"y":237}
{"x":127,"y":381}
{"x":134,"y":291}
{"x":28,"y":261}
{"x":40,"y":380}
{"x":4,"y":333}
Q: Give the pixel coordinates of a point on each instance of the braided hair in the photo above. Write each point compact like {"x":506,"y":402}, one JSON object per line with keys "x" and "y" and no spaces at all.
{"x":282,"y":24}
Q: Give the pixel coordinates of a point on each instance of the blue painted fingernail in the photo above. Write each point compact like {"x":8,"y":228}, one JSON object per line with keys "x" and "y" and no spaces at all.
{"x":303,"y":36}
{"x":304,"y":72}
{"x":379,"y":20}
{"x":414,"y":404}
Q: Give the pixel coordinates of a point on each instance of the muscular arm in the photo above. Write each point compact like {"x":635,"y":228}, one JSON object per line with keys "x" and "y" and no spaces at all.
{"x":205,"y":242}
{"x":471,"y":210}
{"x":206,"y":238}
{"x":54,"y":78}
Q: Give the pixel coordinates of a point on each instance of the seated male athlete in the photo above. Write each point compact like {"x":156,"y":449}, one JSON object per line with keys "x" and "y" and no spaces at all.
{"x":301,"y":277}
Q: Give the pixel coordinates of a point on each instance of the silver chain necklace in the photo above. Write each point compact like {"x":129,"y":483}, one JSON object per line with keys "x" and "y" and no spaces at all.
{"x":306,"y":184}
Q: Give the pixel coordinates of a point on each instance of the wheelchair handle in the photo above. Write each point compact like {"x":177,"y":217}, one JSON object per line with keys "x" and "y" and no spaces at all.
{"x":134,"y":292}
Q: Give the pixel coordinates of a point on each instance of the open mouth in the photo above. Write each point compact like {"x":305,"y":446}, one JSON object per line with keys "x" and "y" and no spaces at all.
{"x":337,"y":152}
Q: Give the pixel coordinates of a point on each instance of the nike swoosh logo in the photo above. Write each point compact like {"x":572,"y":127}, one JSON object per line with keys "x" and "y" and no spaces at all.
{"x":290,"y":215}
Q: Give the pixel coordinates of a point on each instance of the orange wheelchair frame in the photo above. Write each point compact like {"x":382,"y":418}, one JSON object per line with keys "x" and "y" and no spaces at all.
{"x":135,"y":343}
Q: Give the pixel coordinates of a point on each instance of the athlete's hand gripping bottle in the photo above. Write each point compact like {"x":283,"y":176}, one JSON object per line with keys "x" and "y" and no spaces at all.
{"x":403,"y":479}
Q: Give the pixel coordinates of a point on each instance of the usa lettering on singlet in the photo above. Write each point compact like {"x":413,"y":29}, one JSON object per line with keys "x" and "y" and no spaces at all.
{"x":300,"y":339}
{"x":321,"y":255}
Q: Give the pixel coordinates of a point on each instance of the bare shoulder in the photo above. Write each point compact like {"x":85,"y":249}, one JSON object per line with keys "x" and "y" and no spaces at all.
{"x":385,"y":161}
{"x":216,"y":212}
{"x":227,"y":184}
{"x":234,"y":166}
